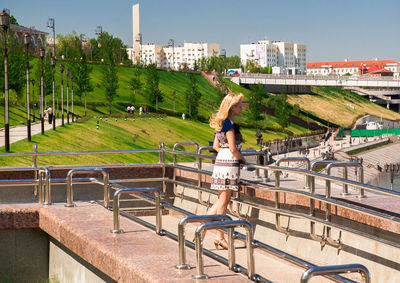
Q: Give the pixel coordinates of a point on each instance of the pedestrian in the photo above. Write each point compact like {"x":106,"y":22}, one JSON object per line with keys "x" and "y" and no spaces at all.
{"x":46,"y":115}
{"x":128,"y":109}
{"x":183,"y":116}
{"x":50,"y":115}
{"x":228,"y":143}
{"x":140,"y":110}
{"x":133,"y":109}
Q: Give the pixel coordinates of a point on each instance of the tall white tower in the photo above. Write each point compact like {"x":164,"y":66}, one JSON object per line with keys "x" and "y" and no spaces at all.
{"x":137,"y":38}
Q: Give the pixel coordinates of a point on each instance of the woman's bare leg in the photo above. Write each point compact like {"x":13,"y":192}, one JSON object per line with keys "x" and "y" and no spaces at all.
{"x":224,"y":197}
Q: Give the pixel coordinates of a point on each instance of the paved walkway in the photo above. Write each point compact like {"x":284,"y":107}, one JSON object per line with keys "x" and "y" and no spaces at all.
{"x":18,"y":133}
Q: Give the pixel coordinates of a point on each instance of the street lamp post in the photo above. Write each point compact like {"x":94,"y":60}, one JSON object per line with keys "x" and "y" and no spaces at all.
{"x":51,"y":25}
{"x":5,"y":23}
{"x":62,"y":94}
{"x":99,"y":31}
{"x":53,"y":65}
{"x":57,"y":87}
{"x":72,"y":95}
{"x":41,"y":53}
{"x":27,"y":38}
{"x":33,"y":99}
{"x":67,"y":76}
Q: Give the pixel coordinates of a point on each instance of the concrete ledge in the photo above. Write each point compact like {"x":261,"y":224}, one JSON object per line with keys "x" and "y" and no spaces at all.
{"x":139,"y":255}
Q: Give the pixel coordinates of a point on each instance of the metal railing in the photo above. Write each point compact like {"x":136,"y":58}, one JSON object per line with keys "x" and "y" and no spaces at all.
{"x":231,"y":249}
{"x":106,"y":180}
{"x":336,"y":269}
{"x":181,"y":233}
{"x":346,"y":165}
{"x":117,"y":194}
{"x":311,"y":195}
{"x":42,"y":176}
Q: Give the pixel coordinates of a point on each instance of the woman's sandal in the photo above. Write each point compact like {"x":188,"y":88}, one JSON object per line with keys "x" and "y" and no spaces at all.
{"x":221,"y":243}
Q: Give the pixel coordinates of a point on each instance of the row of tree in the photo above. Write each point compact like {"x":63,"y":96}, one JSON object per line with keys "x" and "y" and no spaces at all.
{"x":258,"y":99}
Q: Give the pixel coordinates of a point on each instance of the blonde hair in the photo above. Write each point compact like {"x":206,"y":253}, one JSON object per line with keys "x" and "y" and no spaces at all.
{"x":229,"y":100}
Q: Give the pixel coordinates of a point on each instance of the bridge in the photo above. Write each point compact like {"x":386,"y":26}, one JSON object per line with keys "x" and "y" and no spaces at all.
{"x":335,"y":81}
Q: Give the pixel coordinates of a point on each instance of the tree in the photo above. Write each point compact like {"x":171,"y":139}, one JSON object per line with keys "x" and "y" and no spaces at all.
{"x":16,"y":66}
{"x":109,"y":77}
{"x":81,"y":71}
{"x":192,"y":96}
{"x":152,"y":82}
{"x":13,"y":20}
{"x":257,"y":94}
{"x":282,"y":110}
{"x":221,"y":88}
{"x":47,"y":75}
{"x":135,"y":84}
{"x":252,"y":66}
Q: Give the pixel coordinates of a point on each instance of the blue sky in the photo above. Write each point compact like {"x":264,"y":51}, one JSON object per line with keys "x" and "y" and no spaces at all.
{"x":331,"y":29}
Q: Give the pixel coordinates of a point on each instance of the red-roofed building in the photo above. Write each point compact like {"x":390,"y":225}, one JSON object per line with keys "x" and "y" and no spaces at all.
{"x":350,"y":67}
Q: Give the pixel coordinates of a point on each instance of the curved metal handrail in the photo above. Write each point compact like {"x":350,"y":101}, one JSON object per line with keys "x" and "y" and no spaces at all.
{"x":106,"y":180}
{"x":231,"y":249}
{"x":125,"y":190}
{"x":184,"y":143}
{"x":181,"y":233}
{"x":345,"y":165}
{"x":336,"y":269}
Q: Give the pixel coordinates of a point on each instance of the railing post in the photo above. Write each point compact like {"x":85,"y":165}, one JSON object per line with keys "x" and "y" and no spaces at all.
{"x":117,"y":194}
{"x":231,"y":250}
{"x":257,"y":173}
{"x":47,"y":192}
{"x":106,"y":180}
{"x":266,"y":160}
{"x":219,"y":225}
{"x":361,"y":180}
{"x":345,"y":186}
{"x":161,"y":160}
{"x":40,"y":191}
{"x":70,"y":195}
{"x":181,"y":233}
{"x":35,"y":165}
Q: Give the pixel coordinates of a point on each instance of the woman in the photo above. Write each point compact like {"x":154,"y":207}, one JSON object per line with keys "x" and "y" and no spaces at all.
{"x":228,"y":143}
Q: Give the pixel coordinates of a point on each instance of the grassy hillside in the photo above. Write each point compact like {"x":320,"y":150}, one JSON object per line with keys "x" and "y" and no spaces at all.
{"x":330,"y":104}
{"x":336,"y":105}
{"x":119,"y":135}
{"x":98,"y":103}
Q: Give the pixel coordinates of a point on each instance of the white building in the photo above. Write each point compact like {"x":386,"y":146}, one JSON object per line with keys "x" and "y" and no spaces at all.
{"x":290,"y":58}
{"x":350,"y":67}
{"x":175,"y":57}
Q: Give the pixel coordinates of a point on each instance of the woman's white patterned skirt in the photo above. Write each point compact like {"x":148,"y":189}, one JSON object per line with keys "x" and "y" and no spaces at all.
{"x":226,"y":171}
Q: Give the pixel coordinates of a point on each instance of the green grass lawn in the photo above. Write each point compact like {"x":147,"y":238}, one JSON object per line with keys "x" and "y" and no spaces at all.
{"x":98,"y":102}
{"x":119,"y":135}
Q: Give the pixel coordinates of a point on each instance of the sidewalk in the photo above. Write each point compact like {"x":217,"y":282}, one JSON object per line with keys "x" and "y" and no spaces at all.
{"x":18,"y":133}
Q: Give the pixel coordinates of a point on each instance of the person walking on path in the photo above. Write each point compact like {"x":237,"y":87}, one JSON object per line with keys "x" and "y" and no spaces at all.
{"x":228,"y":143}
{"x":50,"y":115}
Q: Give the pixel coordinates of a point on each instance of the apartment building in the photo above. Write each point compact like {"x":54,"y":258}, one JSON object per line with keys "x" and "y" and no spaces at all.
{"x":288,"y":57}
{"x":175,"y":57}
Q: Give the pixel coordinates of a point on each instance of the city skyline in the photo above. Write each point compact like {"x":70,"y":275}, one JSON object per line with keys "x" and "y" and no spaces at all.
{"x":332,"y":30}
